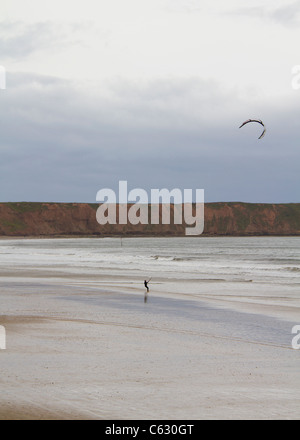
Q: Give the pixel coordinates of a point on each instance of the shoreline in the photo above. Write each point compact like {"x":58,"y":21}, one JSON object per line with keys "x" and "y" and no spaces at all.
{"x":269,"y":305}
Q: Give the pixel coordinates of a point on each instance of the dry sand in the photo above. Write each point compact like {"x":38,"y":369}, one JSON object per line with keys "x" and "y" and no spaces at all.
{"x":77,"y":352}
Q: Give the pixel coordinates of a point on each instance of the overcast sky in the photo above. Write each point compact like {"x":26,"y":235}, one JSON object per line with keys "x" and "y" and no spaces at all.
{"x":152,"y":92}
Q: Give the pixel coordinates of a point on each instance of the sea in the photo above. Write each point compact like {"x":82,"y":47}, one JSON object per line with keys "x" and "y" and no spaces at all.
{"x":271,"y":259}
{"x":195,"y":279}
{"x":186,"y":263}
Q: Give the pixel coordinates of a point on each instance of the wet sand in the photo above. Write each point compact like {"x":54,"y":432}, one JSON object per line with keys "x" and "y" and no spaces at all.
{"x":82,"y":352}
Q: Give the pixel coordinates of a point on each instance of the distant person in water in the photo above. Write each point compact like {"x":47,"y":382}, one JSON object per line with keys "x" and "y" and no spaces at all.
{"x":146,"y":284}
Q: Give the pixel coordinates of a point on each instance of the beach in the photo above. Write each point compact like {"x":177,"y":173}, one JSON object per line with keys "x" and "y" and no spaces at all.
{"x":84,"y":342}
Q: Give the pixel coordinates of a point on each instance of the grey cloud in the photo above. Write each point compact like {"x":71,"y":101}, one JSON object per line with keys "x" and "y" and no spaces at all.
{"x":18,"y":40}
{"x":60,"y":142}
{"x":287,"y":15}
{"x":188,"y":6}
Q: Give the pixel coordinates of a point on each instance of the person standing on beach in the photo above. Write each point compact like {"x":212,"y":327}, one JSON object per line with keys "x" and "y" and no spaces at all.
{"x":146,"y":284}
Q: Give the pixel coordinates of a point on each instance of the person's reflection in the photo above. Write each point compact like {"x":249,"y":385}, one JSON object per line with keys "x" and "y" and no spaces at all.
{"x":145,"y":297}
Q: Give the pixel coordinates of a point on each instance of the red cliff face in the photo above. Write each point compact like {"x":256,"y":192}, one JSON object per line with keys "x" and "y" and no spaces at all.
{"x":252,"y":219}
{"x":79,"y":219}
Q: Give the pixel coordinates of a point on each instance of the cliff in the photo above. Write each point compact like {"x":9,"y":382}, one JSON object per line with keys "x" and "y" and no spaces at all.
{"x":23,"y":219}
